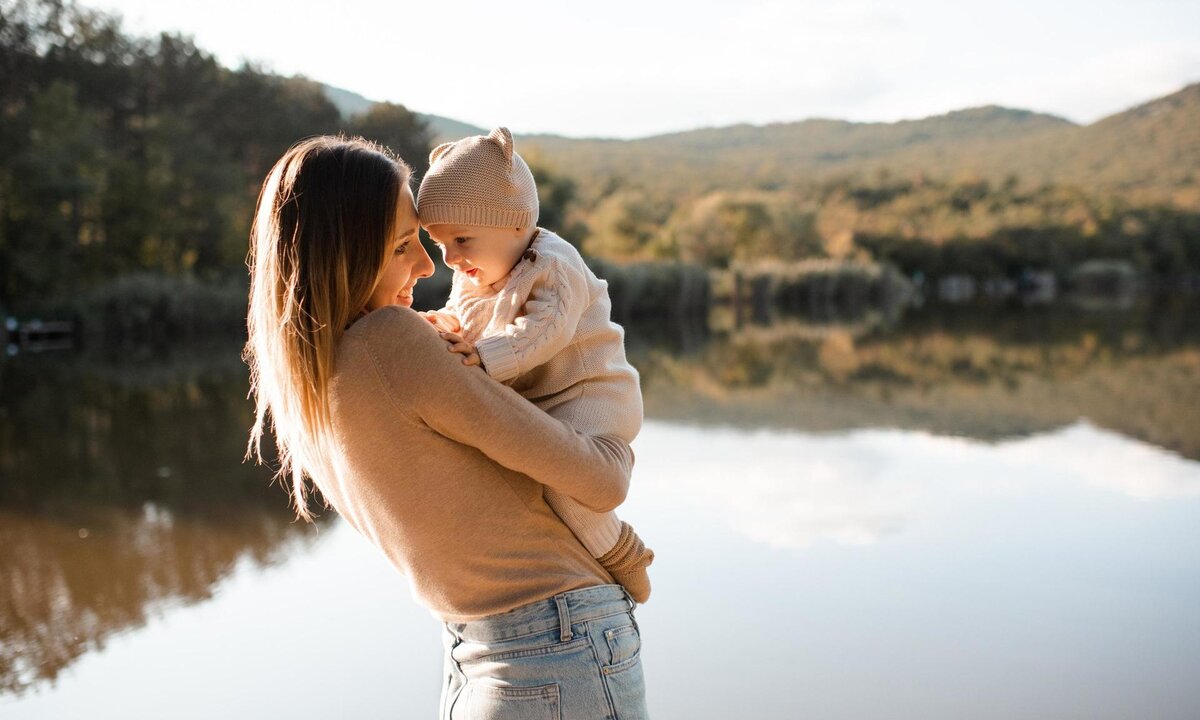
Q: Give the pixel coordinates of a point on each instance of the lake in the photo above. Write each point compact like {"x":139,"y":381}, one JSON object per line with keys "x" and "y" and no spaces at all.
{"x":985,"y":512}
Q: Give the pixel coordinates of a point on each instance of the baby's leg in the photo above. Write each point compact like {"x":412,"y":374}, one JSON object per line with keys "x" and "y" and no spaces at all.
{"x":612,"y":542}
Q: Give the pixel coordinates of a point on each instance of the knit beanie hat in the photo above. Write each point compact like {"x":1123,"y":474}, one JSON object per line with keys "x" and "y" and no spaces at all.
{"x":478,"y":181}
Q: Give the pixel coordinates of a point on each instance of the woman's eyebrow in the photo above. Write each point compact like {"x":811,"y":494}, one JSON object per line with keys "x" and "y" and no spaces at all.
{"x":410,"y":233}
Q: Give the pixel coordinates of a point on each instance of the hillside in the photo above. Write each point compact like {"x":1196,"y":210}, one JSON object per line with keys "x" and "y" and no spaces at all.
{"x":1152,"y":146}
{"x":1153,"y":149}
{"x":442,"y":128}
{"x":348,"y":103}
{"x":783,"y":154}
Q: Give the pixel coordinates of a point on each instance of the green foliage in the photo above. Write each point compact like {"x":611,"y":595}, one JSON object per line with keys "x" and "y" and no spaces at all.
{"x":978,"y":227}
{"x":722,"y":228}
{"x":395,"y":127}
{"x":556,"y":192}
{"x":625,"y":226}
{"x":1004,"y":232}
{"x":126,"y":155}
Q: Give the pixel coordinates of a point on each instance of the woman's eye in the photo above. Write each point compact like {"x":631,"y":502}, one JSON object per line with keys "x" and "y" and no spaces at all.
{"x":400,"y":249}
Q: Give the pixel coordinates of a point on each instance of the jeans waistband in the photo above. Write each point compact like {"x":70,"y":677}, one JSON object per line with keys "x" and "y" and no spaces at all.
{"x":557,"y":612}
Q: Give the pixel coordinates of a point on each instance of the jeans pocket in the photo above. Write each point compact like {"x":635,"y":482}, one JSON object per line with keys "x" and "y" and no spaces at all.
{"x":493,"y":702}
{"x":623,"y":678}
{"x":624,"y":644}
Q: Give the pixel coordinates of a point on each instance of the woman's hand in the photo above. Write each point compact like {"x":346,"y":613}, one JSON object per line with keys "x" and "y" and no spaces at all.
{"x":456,"y":344}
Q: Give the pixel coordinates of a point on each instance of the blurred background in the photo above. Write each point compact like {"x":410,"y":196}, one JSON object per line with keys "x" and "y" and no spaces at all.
{"x":914,"y":295}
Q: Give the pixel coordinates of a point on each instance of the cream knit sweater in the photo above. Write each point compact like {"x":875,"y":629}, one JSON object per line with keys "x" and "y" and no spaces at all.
{"x":435,"y":464}
{"x":546,"y":330}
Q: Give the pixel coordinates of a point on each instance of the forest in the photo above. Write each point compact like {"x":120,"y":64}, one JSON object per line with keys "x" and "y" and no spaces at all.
{"x":127,"y":156}
{"x":129,"y":167}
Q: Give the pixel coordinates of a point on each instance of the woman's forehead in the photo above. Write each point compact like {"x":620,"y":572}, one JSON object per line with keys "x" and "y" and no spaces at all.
{"x":406,"y":213}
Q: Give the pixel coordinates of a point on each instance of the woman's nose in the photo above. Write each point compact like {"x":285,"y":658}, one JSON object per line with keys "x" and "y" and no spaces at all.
{"x":425,"y":267}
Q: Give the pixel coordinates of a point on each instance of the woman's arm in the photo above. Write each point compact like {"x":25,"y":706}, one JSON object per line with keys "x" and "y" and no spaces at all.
{"x":464,"y":404}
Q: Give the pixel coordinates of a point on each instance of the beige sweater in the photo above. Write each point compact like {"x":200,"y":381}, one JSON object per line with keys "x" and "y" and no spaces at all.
{"x":433,"y":462}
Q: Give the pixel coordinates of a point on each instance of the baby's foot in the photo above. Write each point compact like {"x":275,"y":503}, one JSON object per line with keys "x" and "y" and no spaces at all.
{"x":627,"y":562}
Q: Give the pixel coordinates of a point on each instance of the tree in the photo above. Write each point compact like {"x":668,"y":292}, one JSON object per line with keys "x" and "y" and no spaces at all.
{"x":396,"y":127}
{"x":626,"y":226}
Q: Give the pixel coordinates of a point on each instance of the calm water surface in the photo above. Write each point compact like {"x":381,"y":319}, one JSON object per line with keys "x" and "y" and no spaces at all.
{"x":949,"y":516}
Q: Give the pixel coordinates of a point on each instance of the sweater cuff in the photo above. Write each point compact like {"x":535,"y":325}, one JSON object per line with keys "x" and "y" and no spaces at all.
{"x":498,"y":357}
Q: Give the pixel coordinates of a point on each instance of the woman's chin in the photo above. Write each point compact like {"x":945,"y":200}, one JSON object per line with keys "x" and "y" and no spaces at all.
{"x":404,"y":300}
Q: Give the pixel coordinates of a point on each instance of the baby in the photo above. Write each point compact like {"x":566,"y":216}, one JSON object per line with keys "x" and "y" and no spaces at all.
{"x":525,"y":307}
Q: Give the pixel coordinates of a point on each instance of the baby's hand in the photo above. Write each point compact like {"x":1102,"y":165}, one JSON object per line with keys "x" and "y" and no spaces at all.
{"x":462,"y":347}
{"x":444,"y":322}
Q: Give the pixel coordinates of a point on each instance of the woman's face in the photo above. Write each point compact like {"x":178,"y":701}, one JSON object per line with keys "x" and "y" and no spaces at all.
{"x":406,"y":263}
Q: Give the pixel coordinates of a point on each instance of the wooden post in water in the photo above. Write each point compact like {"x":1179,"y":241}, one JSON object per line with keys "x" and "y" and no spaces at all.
{"x":738,"y":308}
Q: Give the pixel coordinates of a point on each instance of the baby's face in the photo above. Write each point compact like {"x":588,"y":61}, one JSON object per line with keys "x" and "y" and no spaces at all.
{"x":483,"y":254}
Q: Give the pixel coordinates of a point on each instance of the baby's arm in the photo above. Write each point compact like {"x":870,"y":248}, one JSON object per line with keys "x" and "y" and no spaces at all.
{"x":445,"y":322}
{"x":548,"y":320}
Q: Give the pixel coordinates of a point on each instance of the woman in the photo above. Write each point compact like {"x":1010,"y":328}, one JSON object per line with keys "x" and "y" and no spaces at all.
{"x":435,"y":463}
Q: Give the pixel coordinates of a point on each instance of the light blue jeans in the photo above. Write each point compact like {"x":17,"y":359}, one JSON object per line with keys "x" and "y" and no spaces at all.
{"x":573,"y":656}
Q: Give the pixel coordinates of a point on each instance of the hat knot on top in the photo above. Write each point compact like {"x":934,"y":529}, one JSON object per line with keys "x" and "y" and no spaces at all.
{"x":479,"y":180}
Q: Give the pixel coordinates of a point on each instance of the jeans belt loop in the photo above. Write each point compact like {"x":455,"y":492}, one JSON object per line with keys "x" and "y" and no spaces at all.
{"x":564,"y":618}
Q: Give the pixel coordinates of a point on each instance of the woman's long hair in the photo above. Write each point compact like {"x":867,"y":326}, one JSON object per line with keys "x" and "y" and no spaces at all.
{"x":321,"y":233}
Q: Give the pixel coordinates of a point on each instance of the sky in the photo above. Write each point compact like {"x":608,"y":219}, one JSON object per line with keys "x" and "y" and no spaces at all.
{"x":635,"y":68}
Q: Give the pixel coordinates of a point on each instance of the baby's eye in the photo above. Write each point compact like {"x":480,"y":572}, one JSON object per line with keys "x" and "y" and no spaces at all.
{"x":461,"y":240}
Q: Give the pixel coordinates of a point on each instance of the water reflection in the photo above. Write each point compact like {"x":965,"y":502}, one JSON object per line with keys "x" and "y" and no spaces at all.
{"x":123,"y":494}
{"x":71,"y":580}
{"x":989,"y":375}
{"x":794,"y":490}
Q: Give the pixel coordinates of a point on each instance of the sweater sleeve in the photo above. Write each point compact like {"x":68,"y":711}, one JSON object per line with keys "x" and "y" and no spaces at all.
{"x":550,"y":316}
{"x":464,"y":405}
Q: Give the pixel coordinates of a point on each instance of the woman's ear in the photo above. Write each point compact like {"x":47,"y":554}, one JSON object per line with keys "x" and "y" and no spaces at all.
{"x":502,"y":137}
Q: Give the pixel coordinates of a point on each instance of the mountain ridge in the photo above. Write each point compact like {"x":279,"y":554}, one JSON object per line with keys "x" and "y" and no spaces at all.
{"x":1152,"y":148}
